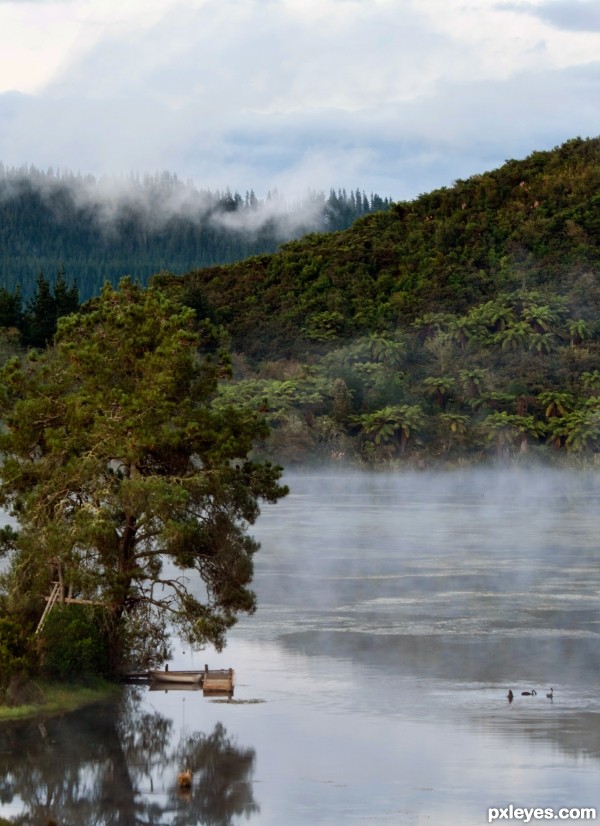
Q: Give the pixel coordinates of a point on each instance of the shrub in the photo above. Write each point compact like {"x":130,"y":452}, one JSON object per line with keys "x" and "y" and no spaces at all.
{"x":75,"y":643}
{"x":15,"y":651}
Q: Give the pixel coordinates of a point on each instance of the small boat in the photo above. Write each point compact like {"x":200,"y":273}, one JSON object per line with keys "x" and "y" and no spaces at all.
{"x":157,"y":685}
{"x":187,"y":677}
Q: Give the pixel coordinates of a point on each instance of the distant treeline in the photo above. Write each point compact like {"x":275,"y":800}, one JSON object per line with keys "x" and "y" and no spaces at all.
{"x":99,"y":230}
{"x":33,"y":323}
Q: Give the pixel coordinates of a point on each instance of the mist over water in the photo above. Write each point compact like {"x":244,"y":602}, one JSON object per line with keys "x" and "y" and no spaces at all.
{"x":495,"y":574}
{"x":440,"y":591}
{"x":395,"y":612}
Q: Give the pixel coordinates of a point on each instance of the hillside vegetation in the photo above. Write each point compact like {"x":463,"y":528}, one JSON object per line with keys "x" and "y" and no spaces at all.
{"x":460,"y":326}
{"x":532,"y":224}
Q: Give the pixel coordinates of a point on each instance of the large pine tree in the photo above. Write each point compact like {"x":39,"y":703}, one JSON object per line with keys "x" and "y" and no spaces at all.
{"x":127,"y":483}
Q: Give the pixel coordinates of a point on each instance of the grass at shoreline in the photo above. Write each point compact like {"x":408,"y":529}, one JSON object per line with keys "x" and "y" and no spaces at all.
{"x":58,"y":698}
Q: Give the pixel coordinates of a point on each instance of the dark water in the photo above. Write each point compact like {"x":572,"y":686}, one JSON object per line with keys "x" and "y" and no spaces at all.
{"x":395,"y":613}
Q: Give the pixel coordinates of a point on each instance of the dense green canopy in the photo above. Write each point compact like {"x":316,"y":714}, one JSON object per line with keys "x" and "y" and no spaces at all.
{"x":532,"y":224}
{"x":128,"y":484}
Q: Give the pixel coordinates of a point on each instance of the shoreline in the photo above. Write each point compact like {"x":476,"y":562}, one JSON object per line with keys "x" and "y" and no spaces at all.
{"x":59,"y":699}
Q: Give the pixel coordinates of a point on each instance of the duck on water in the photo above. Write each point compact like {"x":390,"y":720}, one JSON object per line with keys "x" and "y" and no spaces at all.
{"x":532,"y":693}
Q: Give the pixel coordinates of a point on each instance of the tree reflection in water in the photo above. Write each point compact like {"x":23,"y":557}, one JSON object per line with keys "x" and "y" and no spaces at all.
{"x":117,"y":765}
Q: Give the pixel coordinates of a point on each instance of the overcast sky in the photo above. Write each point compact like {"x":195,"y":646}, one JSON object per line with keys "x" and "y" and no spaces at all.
{"x":392,"y":96}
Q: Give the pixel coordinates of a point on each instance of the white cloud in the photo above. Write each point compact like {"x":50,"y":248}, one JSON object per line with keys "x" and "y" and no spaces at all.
{"x":395,"y":96}
{"x":570,"y":15}
{"x":265,"y":56}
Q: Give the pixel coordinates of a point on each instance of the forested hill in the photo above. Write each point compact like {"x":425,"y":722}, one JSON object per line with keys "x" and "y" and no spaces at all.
{"x":96,"y":231}
{"x":531,"y":224}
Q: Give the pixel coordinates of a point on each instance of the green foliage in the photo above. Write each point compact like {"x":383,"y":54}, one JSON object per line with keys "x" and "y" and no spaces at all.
{"x":15,"y":651}
{"x":524,"y":228}
{"x":487,"y":393}
{"x":579,"y":330}
{"x":439,"y":387}
{"x":10,"y":344}
{"x":115,"y":459}
{"x":50,"y":221}
{"x":476,"y":306}
{"x":590,"y":381}
{"x":556,"y":403}
{"x":75,"y":643}
{"x":324,"y":326}
{"x":581,"y":430}
{"x":10,"y":308}
{"x":504,"y":430}
{"x":391,"y":426}
{"x":37,"y":324}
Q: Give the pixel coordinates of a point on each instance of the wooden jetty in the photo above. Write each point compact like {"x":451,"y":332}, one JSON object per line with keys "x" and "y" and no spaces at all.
{"x":211,"y":681}
{"x":220,"y":681}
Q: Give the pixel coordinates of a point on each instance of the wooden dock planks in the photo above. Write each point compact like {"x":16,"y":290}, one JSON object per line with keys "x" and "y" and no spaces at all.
{"x":220,"y":681}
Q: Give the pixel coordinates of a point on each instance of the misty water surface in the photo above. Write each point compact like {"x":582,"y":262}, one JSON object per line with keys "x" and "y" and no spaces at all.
{"x":395,"y":612}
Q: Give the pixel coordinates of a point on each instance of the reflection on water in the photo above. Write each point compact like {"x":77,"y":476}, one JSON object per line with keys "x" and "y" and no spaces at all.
{"x":119,"y":764}
{"x":395,"y":612}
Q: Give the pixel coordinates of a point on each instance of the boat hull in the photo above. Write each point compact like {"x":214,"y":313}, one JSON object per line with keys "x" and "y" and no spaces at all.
{"x":187,"y":677}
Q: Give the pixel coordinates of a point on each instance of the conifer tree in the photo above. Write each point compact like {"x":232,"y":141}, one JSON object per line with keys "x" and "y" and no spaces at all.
{"x":40,"y":320}
{"x":127,"y":480}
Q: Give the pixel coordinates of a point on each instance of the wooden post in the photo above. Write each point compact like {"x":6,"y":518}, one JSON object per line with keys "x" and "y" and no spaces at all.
{"x":61,"y":593}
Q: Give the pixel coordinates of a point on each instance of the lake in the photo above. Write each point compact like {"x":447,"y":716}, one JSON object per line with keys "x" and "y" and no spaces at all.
{"x":395,"y":613}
